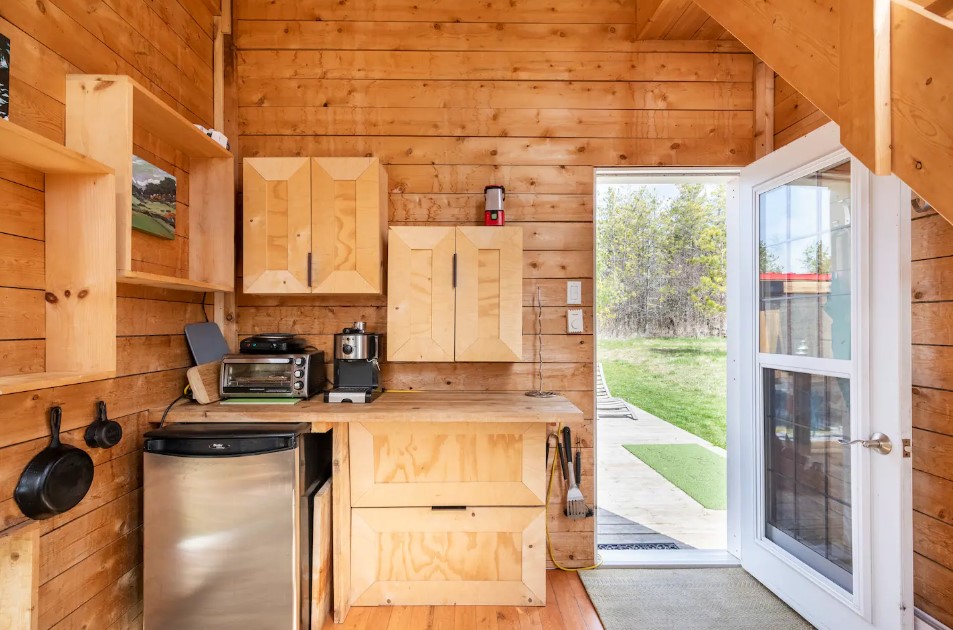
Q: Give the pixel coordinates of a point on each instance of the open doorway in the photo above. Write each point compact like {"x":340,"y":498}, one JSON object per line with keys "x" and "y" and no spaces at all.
{"x":661,"y":326}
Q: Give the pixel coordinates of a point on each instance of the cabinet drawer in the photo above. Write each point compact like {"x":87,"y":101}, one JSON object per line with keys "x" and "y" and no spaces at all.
{"x":472,"y":556}
{"x":449,"y":463}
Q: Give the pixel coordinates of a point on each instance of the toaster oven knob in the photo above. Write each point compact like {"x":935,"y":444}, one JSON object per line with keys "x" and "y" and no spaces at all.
{"x":347,"y":348}
{"x":299,"y":360}
{"x":299,"y":373}
{"x":299,"y":385}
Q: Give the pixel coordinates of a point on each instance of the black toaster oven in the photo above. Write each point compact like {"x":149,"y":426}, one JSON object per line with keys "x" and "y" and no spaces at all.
{"x":298,"y":375}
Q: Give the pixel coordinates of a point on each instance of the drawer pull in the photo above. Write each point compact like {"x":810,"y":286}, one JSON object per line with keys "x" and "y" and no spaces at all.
{"x":448,"y":507}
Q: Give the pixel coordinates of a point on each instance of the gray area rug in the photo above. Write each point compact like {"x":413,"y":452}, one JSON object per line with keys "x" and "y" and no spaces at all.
{"x":686,"y":599}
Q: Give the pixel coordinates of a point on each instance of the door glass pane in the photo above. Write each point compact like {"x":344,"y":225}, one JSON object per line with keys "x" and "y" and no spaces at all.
{"x":804,"y":265}
{"x":807,"y":472}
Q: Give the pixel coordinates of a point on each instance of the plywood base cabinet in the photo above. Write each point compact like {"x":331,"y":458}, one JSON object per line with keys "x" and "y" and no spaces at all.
{"x":447,"y":513}
{"x":448,"y":556}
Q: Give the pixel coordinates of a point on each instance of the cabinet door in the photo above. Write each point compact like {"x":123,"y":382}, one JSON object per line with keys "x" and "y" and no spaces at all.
{"x":349,"y":205}
{"x":420,"y":294}
{"x":489,"y":312}
{"x":276,"y":220}
{"x":475,"y":556}
{"x":447,"y":463}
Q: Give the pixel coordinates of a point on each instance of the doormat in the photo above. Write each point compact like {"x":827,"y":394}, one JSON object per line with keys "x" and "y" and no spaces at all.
{"x":687,"y":599}
{"x":637,"y":546}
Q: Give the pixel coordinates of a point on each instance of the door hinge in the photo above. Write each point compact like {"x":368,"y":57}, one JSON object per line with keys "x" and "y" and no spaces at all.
{"x":309,"y":269}
{"x":907,"y":447}
{"x":454,"y":271}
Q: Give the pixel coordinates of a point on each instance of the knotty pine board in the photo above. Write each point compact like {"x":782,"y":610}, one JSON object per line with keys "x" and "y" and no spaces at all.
{"x":577,"y":94}
{"x":90,"y":557}
{"x":495,"y":122}
{"x":532,"y":102}
{"x":794,"y":115}
{"x":532,"y":11}
{"x":464,"y":36}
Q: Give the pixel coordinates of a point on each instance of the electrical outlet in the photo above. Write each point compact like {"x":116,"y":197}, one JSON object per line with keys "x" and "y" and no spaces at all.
{"x":573,"y":292}
{"x":574,"y":321}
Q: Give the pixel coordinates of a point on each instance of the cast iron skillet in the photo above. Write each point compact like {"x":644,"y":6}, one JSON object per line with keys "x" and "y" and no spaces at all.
{"x":56,"y":479}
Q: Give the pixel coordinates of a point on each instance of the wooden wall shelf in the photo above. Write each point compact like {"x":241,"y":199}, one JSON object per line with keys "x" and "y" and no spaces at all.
{"x":80,"y":281}
{"x":101,"y":112}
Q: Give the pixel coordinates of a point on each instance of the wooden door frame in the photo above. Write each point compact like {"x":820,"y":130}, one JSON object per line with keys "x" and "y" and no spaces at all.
{"x":667,"y":558}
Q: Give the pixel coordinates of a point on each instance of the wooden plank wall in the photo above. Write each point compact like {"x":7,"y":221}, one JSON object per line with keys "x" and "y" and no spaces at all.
{"x":456,"y":96}
{"x":794,"y":115}
{"x":932,"y":288}
{"x":90,"y":557}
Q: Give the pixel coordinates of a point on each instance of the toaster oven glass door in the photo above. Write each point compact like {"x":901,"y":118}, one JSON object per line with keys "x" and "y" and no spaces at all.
{"x":259,"y":375}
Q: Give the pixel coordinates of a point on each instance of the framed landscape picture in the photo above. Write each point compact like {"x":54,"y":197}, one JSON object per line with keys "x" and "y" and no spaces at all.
{"x":153,"y":199}
{"x":4,"y":77}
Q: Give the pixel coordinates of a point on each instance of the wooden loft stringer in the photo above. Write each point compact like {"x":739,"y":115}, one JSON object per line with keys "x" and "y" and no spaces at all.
{"x":879,"y":68}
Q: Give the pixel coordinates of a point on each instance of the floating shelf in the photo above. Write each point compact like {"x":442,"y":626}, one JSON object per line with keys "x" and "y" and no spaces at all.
{"x":168,"y":282}
{"x":80,"y":280}
{"x":44,"y":380}
{"x":101,"y":112}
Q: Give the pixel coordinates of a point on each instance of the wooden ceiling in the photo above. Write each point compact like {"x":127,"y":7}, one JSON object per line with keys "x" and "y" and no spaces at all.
{"x":677,"y":19}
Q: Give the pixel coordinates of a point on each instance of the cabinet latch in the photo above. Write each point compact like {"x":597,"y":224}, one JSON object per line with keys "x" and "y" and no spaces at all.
{"x":907,"y":447}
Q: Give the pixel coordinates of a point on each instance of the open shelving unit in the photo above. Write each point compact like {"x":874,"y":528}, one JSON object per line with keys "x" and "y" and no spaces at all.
{"x":80,"y":280}
{"x":101,"y":113}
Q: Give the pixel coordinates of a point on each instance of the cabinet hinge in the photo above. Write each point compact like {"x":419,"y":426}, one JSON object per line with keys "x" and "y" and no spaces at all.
{"x":454,"y":271}
{"x":907,"y":447}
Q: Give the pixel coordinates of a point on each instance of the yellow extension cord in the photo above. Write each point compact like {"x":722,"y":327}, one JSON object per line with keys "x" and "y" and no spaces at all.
{"x":549,"y":491}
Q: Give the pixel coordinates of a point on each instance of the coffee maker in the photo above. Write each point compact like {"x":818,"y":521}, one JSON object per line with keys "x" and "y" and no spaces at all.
{"x":357,"y":374}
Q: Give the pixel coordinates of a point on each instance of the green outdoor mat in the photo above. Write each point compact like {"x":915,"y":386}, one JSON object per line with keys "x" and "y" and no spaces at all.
{"x":700,"y":472}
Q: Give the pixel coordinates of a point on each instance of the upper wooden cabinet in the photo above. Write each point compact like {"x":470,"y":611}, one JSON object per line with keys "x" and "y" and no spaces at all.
{"x":349,"y":216}
{"x":277,"y":225}
{"x":489,"y":294}
{"x":420,"y":293}
{"x":313,"y":225}
{"x":455,"y":294}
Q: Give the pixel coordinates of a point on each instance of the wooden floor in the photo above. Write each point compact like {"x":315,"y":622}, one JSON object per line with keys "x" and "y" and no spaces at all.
{"x":567,"y":608}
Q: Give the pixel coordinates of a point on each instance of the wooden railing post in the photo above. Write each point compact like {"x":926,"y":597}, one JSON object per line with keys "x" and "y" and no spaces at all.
{"x":864,"y":102}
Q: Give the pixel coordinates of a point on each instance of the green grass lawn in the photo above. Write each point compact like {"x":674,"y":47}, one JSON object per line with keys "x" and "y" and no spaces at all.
{"x":681,"y":380}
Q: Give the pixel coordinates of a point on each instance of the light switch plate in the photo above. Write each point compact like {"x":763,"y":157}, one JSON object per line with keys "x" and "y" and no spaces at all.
{"x":574,"y":320}
{"x":574,"y":292}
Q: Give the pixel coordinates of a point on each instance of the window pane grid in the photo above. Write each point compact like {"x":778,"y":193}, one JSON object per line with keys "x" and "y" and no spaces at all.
{"x":807,"y":470}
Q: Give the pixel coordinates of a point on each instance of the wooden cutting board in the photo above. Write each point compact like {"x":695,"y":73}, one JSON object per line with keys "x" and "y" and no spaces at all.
{"x":204,"y":379}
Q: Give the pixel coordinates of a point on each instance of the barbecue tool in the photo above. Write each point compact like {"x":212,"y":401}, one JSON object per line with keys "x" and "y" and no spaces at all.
{"x":575,"y":504}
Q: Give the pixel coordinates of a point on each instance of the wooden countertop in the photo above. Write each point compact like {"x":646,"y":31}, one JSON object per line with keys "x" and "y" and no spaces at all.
{"x":389,"y":407}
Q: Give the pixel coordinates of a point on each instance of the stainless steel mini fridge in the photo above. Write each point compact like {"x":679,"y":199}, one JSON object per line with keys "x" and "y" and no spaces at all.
{"x":227,"y":525}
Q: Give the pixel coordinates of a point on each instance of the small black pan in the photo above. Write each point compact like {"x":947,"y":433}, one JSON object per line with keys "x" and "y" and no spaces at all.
{"x":56,"y":479}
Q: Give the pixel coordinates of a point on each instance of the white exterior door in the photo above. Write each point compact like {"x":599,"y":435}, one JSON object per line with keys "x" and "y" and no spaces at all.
{"x":819,"y":349}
